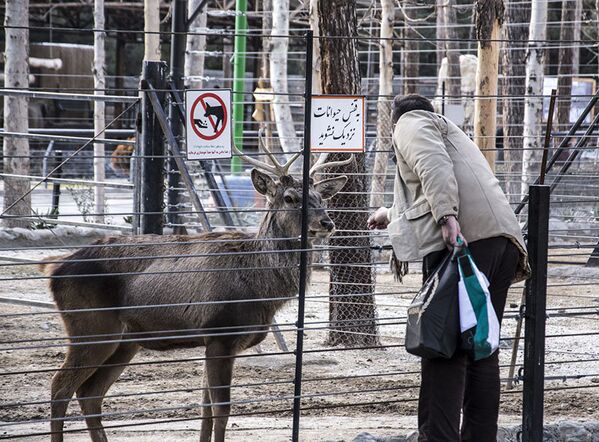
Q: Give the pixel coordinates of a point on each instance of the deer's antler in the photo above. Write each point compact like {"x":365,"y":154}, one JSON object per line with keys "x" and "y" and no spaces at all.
{"x":321,"y":164}
{"x":276,"y":168}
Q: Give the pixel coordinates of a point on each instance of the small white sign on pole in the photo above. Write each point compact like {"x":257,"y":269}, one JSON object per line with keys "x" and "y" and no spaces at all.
{"x":209,"y":124}
{"x":338,"y":123}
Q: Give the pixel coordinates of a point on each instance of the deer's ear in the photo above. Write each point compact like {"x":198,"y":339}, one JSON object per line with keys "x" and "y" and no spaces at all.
{"x":329,"y":187}
{"x":263,"y":183}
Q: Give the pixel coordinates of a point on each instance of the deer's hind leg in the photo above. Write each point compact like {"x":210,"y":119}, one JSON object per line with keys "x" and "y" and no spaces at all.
{"x":82,"y":361}
{"x":91,"y":393}
{"x":206,"y":432}
{"x":219,"y":371}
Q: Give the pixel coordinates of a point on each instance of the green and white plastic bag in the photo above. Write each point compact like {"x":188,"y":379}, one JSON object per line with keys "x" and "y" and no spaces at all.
{"x":479,"y":325}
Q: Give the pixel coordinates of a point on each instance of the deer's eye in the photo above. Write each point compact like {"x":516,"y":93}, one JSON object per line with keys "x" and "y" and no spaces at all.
{"x":288,"y":199}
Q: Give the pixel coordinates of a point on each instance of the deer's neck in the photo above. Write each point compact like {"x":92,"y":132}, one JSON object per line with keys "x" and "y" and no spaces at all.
{"x":285,"y":259}
{"x":275,"y":235}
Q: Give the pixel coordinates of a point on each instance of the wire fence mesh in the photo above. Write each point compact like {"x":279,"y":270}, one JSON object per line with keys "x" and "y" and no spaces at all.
{"x":128,"y":295}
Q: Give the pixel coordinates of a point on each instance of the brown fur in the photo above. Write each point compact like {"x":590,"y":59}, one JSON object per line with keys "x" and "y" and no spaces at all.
{"x":120,"y":159}
{"x":203,"y":276}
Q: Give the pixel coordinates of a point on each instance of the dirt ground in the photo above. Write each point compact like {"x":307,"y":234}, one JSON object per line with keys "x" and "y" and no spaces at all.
{"x":345,"y":391}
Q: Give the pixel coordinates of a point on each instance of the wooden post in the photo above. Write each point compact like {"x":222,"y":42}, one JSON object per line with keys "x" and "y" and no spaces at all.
{"x":152,"y":151}
{"x":489,"y":17}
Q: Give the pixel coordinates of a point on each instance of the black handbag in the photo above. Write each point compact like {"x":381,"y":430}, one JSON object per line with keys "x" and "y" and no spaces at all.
{"x":433,"y":327}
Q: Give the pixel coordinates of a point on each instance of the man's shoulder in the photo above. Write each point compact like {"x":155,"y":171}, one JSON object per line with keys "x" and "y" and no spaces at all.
{"x":418,"y":115}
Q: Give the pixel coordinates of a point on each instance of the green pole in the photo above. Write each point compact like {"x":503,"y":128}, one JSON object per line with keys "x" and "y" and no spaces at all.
{"x":241,"y":25}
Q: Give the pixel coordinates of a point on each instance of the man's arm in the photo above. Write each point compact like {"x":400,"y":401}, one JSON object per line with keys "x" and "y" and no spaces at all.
{"x":424,"y":152}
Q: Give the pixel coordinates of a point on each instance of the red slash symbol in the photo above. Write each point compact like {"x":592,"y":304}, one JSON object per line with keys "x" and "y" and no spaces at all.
{"x":217,"y":111}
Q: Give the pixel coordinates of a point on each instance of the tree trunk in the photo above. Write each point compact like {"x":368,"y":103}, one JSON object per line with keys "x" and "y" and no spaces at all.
{"x":578,"y":7}
{"x":489,"y":16}
{"x":151,"y":27}
{"x":411,"y":56}
{"x":533,"y":102}
{"x":517,"y":14}
{"x":263,"y":110}
{"x":384,"y":127}
{"x":440,"y":33}
{"x":195,"y":47}
{"x":564,"y":70}
{"x":352,"y":311}
{"x":278,"y":77}
{"x":16,"y":76}
{"x":316,"y":77}
{"x":453,"y":85}
{"x":99,"y":72}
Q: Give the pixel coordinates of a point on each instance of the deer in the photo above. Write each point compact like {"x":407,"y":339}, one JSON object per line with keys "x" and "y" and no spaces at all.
{"x":217,"y":290}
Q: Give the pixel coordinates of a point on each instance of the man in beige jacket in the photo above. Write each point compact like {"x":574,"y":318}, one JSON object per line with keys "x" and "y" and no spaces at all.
{"x":445,"y":189}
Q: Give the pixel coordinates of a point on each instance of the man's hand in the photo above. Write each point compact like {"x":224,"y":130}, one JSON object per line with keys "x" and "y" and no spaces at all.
{"x":451,"y":232}
{"x":379,"y":219}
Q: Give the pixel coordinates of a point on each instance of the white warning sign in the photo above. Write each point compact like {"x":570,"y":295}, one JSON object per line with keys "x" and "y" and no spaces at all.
{"x":208,"y":124}
{"x":338,"y":123}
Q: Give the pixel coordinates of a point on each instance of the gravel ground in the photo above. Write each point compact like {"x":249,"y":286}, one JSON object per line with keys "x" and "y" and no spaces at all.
{"x":262,"y":382}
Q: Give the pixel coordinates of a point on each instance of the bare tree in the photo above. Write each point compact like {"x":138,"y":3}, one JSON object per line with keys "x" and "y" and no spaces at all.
{"x":410,"y":55}
{"x":278,"y":76}
{"x":352,"y":311}
{"x":578,"y":9}
{"x":151,"y":28}
{"x":533,"y":103}
{"x":316,"y":78}
{"x":565,"y":61}
{"x":99,"y":71}
{"x":16,"y":76}
{"x":195,"y":47}
{"x":453,"y":86}
{"x":384,"y":127}
{"x":489,"y":16}
{"x":517,"y":17}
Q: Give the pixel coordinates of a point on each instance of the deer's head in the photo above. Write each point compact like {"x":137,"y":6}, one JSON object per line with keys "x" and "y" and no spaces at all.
{"x":284,"y":193}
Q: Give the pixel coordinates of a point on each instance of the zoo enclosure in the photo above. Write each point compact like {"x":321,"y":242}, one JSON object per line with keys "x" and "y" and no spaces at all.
{"x":583,"y":242}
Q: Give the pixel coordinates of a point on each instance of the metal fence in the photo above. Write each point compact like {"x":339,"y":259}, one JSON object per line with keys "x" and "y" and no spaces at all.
{"x":132,"y":291}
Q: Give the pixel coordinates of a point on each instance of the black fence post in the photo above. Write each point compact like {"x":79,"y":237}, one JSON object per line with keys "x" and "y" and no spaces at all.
{"x":303,"y":270}
{"x":56,"y":185}
{"x":177,"y":58}
{"x":152,"y":152}
{"x":534,"y":329}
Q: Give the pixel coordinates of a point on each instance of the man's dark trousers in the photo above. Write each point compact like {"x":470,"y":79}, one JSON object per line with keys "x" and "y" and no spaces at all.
{"x":448,"y":385}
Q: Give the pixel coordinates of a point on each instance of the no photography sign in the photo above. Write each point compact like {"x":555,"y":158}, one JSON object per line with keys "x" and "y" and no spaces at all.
{"x":208,"y":123}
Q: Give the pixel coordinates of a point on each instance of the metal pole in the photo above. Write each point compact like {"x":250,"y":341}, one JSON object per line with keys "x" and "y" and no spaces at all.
{"x":303,"y":276}
{"x":534,"y":327}
{"x":241,"y":25}
{"x":177,"y":60}
{"x":547,"y":136}
{"x":56,"y":185}
{"x":152,"y":150}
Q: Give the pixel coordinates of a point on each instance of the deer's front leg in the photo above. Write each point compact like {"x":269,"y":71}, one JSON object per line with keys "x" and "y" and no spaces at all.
{"x":219,"y":371}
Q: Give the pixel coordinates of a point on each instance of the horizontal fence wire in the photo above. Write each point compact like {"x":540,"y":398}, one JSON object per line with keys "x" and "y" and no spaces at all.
{"x":354,"y":360}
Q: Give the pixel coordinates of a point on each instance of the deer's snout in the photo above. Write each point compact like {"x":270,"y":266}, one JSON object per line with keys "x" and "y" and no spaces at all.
{"x":327,"y":224}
